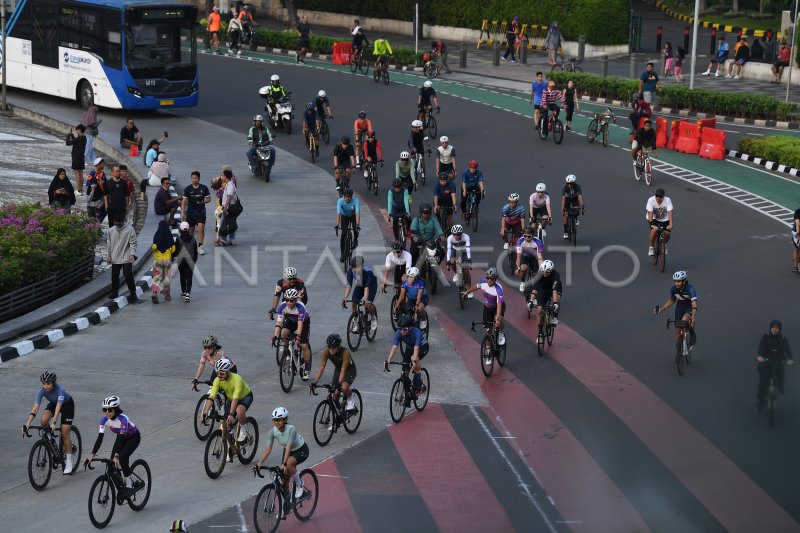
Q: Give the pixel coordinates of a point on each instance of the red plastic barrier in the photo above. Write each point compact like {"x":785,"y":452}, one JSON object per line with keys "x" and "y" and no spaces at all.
{"x":341,"y":53}
{"x":674,"y":133}
{"x":712,"y":143}
{"x":661,"y":132}
{"x":707,"y":123}
{"x":689,"y":140}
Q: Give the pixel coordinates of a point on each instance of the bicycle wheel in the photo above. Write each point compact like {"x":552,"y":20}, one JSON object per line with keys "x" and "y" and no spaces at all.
{"x":140,"y":474}
{"x":370,"y":333}
{"x":558,"y":131}
{"x":376,"y":75}
{"x":556,"y":68}
{"x":680,"y":360}
{"x":428,"y":70}
{"x":540,"y":342}
{"x":501,"y":355}
{"x":278,"y":352}
{"x":551,"y":332}
{"x":421,"y":398}
{"x":662,"y":254}
{"x":385,"y":76}
{"x":638,"y":169}
{"x":325,"y":132}
{"x":203,"y":429}
{"x":542,"y":129}
{"x":433,"y":130}
{"x":354,"y":332}
{"x":311,"y":148}
{"x":487,"y":356}
{"x":771,"y":407}
{"x":352,"y":417}
{"x":267,"y":509}
{"x":365,"y":65}
{"x":648,"y":172}
{"x":355,"y":62}
{"x":397,"y":401}
{"x":216,"y":454}
{"x":592,"y":131}
{"x":462,"y":300}
{"x":577,"y":69}
{"x":474,"y":218}
{"x":605,"y":136}
{"x":305,"y":507}
{"x":246,"y":449}
{"x":40,"y":466}
{"x":348,"y":249}
{"x":394,"y":317}
{"x":287,"y":371}
{"x":323,"y":423}
{"x":77,"y":445}
{"x":573,"y":230}
{"x":102,"y":501}
{"x":432,"y":279}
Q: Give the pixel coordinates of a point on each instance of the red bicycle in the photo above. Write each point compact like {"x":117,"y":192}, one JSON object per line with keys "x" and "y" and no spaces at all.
{"x":550,"y":122}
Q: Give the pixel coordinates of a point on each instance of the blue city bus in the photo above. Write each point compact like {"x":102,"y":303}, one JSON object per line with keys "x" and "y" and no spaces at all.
{"x":119,"y":54}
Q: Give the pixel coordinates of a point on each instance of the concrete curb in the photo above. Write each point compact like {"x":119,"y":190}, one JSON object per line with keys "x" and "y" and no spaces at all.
{"x":769,"y":165}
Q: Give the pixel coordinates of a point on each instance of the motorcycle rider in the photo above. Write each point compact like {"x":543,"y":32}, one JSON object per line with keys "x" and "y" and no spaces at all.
{"x":275,"y":91}
{"x":259,"y":134}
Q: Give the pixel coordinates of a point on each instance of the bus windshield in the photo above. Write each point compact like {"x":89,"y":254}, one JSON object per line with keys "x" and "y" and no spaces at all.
{"x":153,"y":45}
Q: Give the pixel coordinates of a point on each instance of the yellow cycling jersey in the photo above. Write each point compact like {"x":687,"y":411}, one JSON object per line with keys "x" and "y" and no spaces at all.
{"x":234,"y":387}
{"x":382,"y":48}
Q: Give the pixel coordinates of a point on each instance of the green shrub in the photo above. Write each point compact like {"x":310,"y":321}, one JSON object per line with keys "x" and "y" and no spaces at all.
{"x":780,"y":149}
{"x":36,"y":241}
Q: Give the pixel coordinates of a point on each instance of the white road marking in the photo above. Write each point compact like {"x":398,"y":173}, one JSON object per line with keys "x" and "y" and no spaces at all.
{"x":243,"y":527}
{"x":763,"y":171}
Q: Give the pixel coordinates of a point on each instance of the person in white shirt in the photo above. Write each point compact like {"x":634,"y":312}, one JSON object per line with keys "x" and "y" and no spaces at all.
{"x":659,"y":215}
{"x":400,"y":260}
{"x":457,"y":246}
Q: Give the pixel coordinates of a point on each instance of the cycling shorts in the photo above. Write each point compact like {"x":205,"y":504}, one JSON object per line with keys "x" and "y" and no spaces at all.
{"x":247,"y":401}
{"x":301,"y":453}
{"x":372,"y":290}
{"x":539,"y":212}
{"x":346,"y":164}
{"x":445,"y":167}
{"x":682,"y":308}
{"x":291,"y":325}
{"x":408,"y":351}
{"x":349,"y":376}
{"x":67,"y":410}
{"x":531,"y":260}
{"x":658,"y":223}
{"x":410,"y":302}
{"x":489,"y":312}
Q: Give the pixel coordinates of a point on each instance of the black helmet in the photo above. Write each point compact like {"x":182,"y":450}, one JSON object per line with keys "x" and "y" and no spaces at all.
{"x":345,"y":140}
{"x":491,"y":273}
{"x":425,"y":208}
{"x":333,"y":340}
{"x":48,"y":377}
{"x":397,"y":246}
{"x":776,"y":323}
{"x":527,"y":231}
{"x":347,"y":192}
{"x":357,"y":261}
{"x":406,"y":322}
{"x":397,"y":182}
{"x":362,"y":114}
{"x":443,"y":176}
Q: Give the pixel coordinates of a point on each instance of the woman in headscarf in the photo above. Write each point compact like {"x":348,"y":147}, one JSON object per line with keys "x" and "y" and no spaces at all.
{"x":158,"y":170}
{"x":61,"y":194}
{"x":163,"y":249}
{"x":553,"y":42}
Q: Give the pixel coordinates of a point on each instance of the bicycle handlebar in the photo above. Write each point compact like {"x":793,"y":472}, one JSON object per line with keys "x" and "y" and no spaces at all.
{"x":275,"y":469}
{"x":196,"y":382}
{"x":45,"y":429}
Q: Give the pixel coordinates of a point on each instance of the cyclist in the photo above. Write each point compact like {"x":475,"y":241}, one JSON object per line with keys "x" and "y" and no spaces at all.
{"x":406,"y":171}
{"x":397,"y":206}
{"x":344,"y":368}
{"x":212,"y":352}
{"x":364,"y":284}
{"x":416,"y":143}
{"x":645,"y":138}
{"x":258,"y":135}
{"x":471,"y":182}
{"x":275,"y":91}
{"x":344,"y":159}
{"x":400,"y":260}
{"x":59,"y":402}
{"x":348,"y":214}
{"x":446,"y":161}
{"x":288,"y":281}
{"x":494,"y":305}
{"x":552,"y":100}
{"x":571,"y":198}
{"x":413,"y":297}
{"x":684,"y":297}
{"x":540,"y":210}
{"x":415,"y":348}
{"x":238,"y":397}
{"x":444,"y":198}
{"x":359,"y":40}
{"x":427,"y":99}
{"x":659,"y":215}
{"x":457,"y":246}
{"x":295,"y":452}
{"x":537,"y":88}
{"x":425,"y":228}
{"x":323,"y":106}
{"x":529,"y":255}
{"x":773,"y":351}
{"x":360,"y":128}
{"x":512,"y":219}
{"x":547,"y":288}
{"x":372,"y":153}
{"x":381,"y":49}
{"x":795,"y":232}
{"x":311,"y":124}
{"x":294,"y":319}
{"x":125,"y":444}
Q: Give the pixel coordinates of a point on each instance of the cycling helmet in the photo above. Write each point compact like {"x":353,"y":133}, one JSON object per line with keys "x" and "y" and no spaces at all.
{"x":333,"y":340}
{"x":357,"y":262}
{"x":404,"y":155}
{"x":362,"y":114}
{"x":280,"y":413}
{"x":322,"y":94}
{"x":289,"y":273}
{"x":345,"y":140}
{"x":412,"y":272}
{"x":571,"y":178}
{"x":444,"y":139}
{"x":416,"y":123}
{"x":347,"y":192}
{"x":397,"y":182}
{"x":210,"y":341}
{"x":223,"y":365}
{"x":491,"y":273}
{"x":473,"y":163}
{"x":772,"y":324}
{"x":513,"y":197}
{"x":111,"y":401}
{"x":309,"y":105}
{"x":428,"y":84}
{"x":291,"y":294}
{"x":425,"y":208}
{"x":406,"y":322}
{"x":275,"y":77}
{"x":547,"y":265}
{"x":258,"y":117}
{"x":397,"y":246}
{"x":457,"y":229}
{"x":443,"y":176}
{"x":680,"y":275}
{"x":527,"y":230}
{"x":48,"y":377}
{"x":371,"y":133}
{"x":541,"y":187}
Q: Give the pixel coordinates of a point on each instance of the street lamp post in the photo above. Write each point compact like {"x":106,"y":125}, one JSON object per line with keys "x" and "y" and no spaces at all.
{"x":3,"y":52}
{"x":791,"y":57}
{"x":694,"y":43}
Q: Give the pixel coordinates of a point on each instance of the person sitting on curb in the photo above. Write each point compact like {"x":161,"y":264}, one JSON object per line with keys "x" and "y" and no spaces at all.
{"x":741,"y":53}
{"x":719,"y":59}
{"x":158,"y":171}
{"x":129,"y":135}
{"x":780,"y":62}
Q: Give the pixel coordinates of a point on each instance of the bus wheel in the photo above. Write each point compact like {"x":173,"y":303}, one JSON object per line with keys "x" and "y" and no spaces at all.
{"x":86,"y":95}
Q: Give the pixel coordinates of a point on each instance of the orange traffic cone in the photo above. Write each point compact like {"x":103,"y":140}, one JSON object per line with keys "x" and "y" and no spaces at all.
{"x":134,"y":151}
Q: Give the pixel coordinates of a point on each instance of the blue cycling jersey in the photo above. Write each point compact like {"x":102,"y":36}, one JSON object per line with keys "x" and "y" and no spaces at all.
{"x":683,"y":297}
{"x":412,"y":289}
{"x":414,"y":338}
{"x":348,"y":209}
{"x":310,"y":117}
{"x":365,"y":278}
{"x":56,"y":395}
{"x":471,"y":179}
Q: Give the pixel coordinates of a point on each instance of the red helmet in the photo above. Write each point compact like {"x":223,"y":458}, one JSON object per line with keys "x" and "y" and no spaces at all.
{"x":370,"y":133}
{"x":473,"y":164}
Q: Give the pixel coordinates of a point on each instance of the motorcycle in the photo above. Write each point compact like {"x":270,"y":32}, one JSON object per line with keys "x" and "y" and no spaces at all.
{"x":263,"y":167}
{"x":282,"y":114}
{"x":250,"y":37}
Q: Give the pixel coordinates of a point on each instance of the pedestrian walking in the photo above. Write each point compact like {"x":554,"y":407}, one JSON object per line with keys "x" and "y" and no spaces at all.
{"x":228,"y":225}
{"x":439,"y":48}
{"x":649,"y":84}
{"x":123,"y":173}
{"x":90,"y":122}
{"x":669,"y":59}
{"x":235,"y":30}
{"x":193,"y":209}
{"x":303,"y":39}
{"x":214,"y":21}
{"x":163,"y":249}
{"x":117,"y":197}
{"x":553,"y":42}
{"x":121,"y":255}
{"x":512,"y":32}
{"x":61,"y":194}
{"x":186,"y":249}
{"x":678,"y":68}
{"x":78,"y":142}
{"x":96,"y":189}
{"x":571,"y":103}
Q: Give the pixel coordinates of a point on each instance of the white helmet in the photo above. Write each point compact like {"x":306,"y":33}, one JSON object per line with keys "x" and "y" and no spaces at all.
{"x":513,"y":197}
{"x":412,"y":272}
{"x":427,"y":84}
{"x":291,"y":294}
{"x":111,"y":401}
{"x":223,"y":365}
{"x":280,"y":413}
{"x":541,"y":187}
{"x":258,"y":117}
{"x":275,"y":77}
{"x":443,"y":139}
{"x":404,"y":155}
{"x":289,"y":273}
{"x":571,"y":178}
{"x":547,"y":265}
{"x":322,"y":94}
{"x":457,"y":229}
{"x":680,"y":275}
{"x":416,"y":123}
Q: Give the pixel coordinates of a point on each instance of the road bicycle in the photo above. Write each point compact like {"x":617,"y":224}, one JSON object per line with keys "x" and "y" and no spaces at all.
{"x":773,"y":389}
{"x":429,"y":123}
{"x":491,"y":348}
{"x":324,"y":130}
{"x":48,"y":454}
{"x":313,"y":145}
{"x":538,"y":227}
{"x":346,"y":245}
{"x":109,"y":490}
{"x":660,"y":249}
{"x":203,"y":427}
{"x":511,"y":240}
{"x":445,"y":215}
{"x":406,"y":309}
{"x":570,"y":65}
{"x":528,"y":290}
{"x":400,"y":228}
{"x":331,"y":413}
{"x":224,"y":444}
{"x":643,"y":168}
{"x":276,"y":499}
{"x":381,"y":72}
{"x":371,"y":177}
{"x":472,"y":210}
{"x":572,"y":225}
{"x":459,"y":280}
{"x":359,"y":62}
{"x":683,"y":350}
{"x":403,"y":393}
{"x":550,"y":122}
{"x":343,"y":178}
{"x":419,"y":164}
{"x":360,"y":324}
{"x":598,"y":127}
{"x":547,"y":330}
{"x":292,"y":362}
{"x":429,"y":269}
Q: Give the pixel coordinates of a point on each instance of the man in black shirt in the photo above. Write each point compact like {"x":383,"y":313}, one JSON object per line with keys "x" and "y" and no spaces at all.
{"x":303,"y":41}
{"x":193,"y":208}
{"x":129,"y":135}
{"x":795,"y":240}
{"x":547,"y":288}
{"x":773,"y":353}
{"x":344,"y":159}
{"x":645,"y":138}
{"x":117,"y":198}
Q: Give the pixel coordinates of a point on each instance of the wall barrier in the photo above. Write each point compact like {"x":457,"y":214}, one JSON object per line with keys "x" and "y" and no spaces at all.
{"x":674,"y":133}
{"x":341,"y":53}
{"x":712,"y":144}
{"x":532,"y":35}
{"x":661,"y":132}
{"x":689,"y":140}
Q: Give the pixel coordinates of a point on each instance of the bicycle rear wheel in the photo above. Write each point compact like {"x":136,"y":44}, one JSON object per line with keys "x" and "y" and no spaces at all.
{"x":680,"y":360}
{"x":354,"y":63}
{"x":40,"y":466}
{"x":140,"y":474}
{"x":433,"y":130}
{"x":203,"y":429}
{"x":421,"y":397}
{"x":540,"y":342}
{"x":267,"y":510}
{"x":102,"y":501}
{"x":592,"y":131}
{"x":474,"y":217}
{"x":638,"y":169}
{"x":557,"y":68}
{"x":287,"y":371}
{"x":352,"y":417}
{"x":385,"y":76}
{"x":325,"y":132}
{"x":573,"y":230}
{"x":354,"y":332}
{"x":648,"y":172}
{"x":394,"y":317}
{"x":397,"y":401}
{"x":216,"y":454}
{"x":323,"y":423}
{"x":305,"y":508}
{"x":246,"y":449}
{"x":605,"y":136}
{"x":558,"y":131}
{"x":487,"y":356}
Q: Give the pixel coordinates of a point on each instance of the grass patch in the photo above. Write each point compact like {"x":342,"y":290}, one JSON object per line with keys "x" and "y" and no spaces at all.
{"x":769,"y":21}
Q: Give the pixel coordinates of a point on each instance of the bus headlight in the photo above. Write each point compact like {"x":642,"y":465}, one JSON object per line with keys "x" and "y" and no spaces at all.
{"x":135,"y":92}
